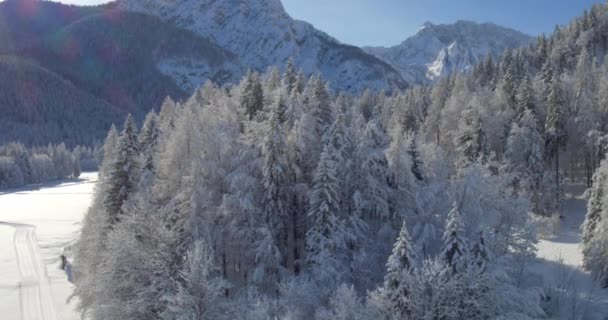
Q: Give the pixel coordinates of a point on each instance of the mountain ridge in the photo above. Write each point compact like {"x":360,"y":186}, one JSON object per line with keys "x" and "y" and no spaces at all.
{"x":436,"y":50}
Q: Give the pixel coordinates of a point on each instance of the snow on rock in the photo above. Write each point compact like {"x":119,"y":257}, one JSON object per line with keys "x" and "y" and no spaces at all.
{"x":437,"y":50}
{"x":36,"y":227}
{"x":262,"y":34}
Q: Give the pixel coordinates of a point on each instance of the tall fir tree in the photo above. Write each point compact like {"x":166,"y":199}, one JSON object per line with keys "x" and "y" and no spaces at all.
{"x":252,"y":95}
{"x":594,"y":215}
{"x":148,"y":141}
{"x":555,"y":129}
{"x":123,"y":171}
{"x":455,"y":250}
{"x":325,"y":240}
{"x":470,"y":140}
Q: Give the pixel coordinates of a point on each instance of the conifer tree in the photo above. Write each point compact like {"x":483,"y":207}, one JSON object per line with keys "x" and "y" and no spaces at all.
{"x":123,"y":171}
{"x":455,"y":250}
{"x":290,"y":77}
{"x":555,"y":128}
{"x":470,"y":140}
{"x":479,"y":253}
{"x":396,"y":288}
{"x":414,"y":153}
{"x":595,"y":209}
{"x":525,"y":98}
{"x":324,"y":239}
{"x":275,"y":202}
{"x":252,"y":95}
{"x":148,"y":141}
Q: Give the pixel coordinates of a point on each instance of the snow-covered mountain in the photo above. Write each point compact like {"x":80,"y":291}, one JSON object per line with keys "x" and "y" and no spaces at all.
{"x":262,"y":34}
{"x":436,"y":50}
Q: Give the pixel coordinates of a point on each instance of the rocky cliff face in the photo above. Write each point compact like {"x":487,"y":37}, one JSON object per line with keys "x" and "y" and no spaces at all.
{"x":262,"y":34}
{"x":437,"y":50}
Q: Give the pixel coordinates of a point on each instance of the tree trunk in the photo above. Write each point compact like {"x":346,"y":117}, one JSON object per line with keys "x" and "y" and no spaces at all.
{"x":558,"y":193}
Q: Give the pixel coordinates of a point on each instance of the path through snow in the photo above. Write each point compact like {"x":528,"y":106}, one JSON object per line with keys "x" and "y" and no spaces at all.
{"x":560,"y":259}
{"x":35,"y":226}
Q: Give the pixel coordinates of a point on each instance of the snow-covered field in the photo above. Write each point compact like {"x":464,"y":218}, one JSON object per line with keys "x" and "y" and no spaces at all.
{"x":560,"y":258}
{"x":35,"y":226}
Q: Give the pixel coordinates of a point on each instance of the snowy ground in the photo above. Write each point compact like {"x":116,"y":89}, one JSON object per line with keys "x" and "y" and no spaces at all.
{"x":35,"y":226}
{"x":560,"y":260}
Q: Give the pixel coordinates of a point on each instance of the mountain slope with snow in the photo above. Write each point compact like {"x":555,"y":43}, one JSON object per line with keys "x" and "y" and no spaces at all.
{"x":262,"y":34}
{"x":437,"y":50}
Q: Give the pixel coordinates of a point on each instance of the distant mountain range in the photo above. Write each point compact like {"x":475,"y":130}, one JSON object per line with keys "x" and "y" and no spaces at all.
{"x":129,"y":55}
{"x":438,"y":50}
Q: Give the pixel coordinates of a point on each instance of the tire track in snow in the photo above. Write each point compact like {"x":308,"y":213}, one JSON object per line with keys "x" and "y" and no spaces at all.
{"x":35,"y":297}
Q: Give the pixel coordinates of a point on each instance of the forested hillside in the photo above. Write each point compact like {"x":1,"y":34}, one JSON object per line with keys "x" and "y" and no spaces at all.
{"x":276,"y":199}
{"x":104,"y":61}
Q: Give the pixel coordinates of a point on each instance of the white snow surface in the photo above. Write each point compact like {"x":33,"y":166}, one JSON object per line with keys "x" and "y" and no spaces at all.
{"x":35,"y":227}
{"x":559,"y":257}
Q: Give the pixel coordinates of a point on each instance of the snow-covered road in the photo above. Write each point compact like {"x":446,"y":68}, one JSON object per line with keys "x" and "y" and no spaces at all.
{"x":35,"y":226}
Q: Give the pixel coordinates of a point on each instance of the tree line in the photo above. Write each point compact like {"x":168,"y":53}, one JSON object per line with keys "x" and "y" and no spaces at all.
{"x":280,"y":199}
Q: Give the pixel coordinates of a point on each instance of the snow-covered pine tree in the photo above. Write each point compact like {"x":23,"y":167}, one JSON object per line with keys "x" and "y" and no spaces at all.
{"x":276,"y":202}
{"x":375,"y":180}
{"x":320,"y":104}
{"x":455,"y":250}
{"x":525,"y":160}
{"x":108,"y":150}
{"x":524,"y":98}
{"x":200,"y":288}
{"x":148,"y":141}
{"x":414,"y":153}
{"x":252,"y":95}
{"x":479,"y":252}
{"x":470,"y":140}
{"x":123,"y":173}
{"x":555,"y":128}
{"x":393,"y":295}
{"x":290,"y":76}
{"x":325,"y":239}
{"x":595,"y":208}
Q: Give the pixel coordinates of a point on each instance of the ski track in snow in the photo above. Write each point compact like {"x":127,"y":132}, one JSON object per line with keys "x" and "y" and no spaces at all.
{"x":35,"y":226}
{"x":35,"y":297}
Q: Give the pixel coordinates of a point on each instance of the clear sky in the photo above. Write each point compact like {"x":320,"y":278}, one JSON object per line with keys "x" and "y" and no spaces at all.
{"x":388,"y":22}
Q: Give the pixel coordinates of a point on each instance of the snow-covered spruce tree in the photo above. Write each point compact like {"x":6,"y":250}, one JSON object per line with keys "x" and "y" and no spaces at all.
{"x":555,"y":128}
{"x":525,"y":161}
{"x":123,"y":173}
{"x":148,"y":141}
{"x":392,"y":297}
{"x":290,"y":76}
{"x":200,"y":289}
{"x":595,"y":213}
{"x":470,"y":140}
{"x":414,"y":153}
{"x":524,"y":99}
{"x":252,"y":95}
{"x":319,"y":104}
{"x":134,"y":272}
{"x":272,"y":249}
{"x":344,"y":304}
{"x":480,"y":255}
{"x":325,"y":243}
{"x":375,"y":180}
{"x":455,"y":252}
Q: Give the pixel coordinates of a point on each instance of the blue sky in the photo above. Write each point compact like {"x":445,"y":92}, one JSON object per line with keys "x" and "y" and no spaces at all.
{"x":388,"y":22}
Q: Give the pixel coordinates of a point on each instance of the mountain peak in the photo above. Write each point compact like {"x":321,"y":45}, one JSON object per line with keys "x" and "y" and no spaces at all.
{"x":262,"y":34}
{"x":439,"y":49}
